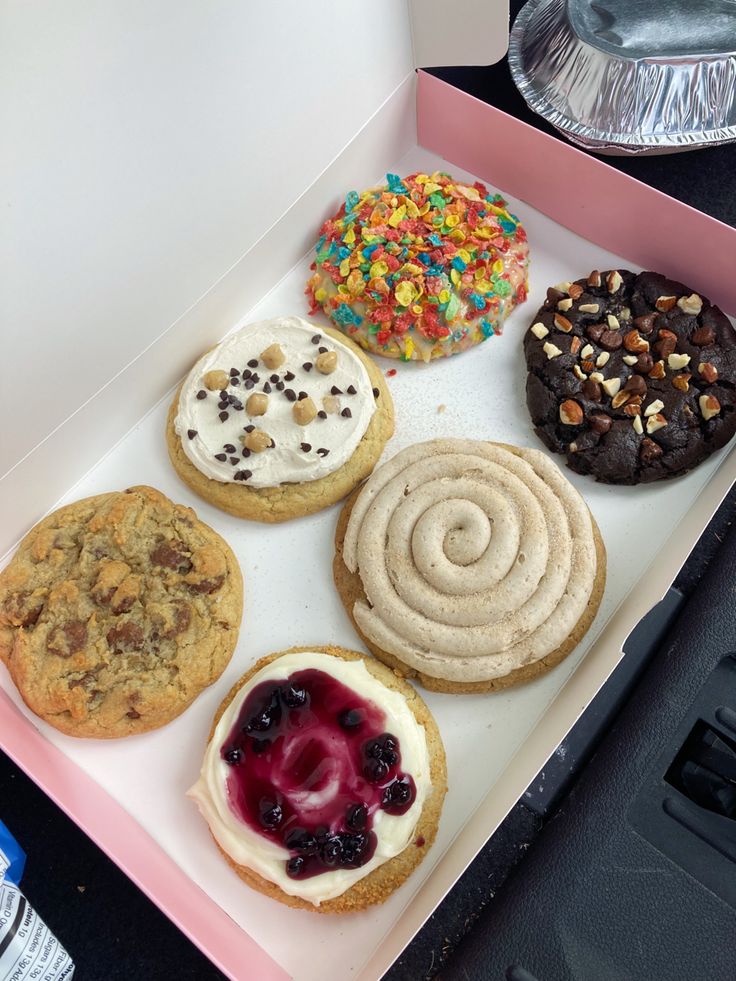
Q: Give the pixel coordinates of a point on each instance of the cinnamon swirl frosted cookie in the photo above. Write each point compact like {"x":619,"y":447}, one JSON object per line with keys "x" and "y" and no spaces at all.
{"x":469,"y":565}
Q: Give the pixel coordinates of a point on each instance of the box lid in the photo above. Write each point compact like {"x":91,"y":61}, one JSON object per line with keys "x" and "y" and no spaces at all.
{"x":148,"y":147}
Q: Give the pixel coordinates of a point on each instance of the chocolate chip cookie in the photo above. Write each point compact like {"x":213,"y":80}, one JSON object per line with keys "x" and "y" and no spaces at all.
{"x":631,"y":376}
{"x":116,"y":611}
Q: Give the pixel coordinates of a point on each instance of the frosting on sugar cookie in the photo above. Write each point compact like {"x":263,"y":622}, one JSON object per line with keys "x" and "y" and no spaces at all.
{"x":281,"y":419}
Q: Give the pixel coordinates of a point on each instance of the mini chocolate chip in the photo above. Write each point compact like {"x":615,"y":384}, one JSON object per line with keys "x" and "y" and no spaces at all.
{"x":611,"y":340}
{"x":248,"y":429}
{"x":246,"y":451}
{"x":243,"y":475}
{"x":280,"y":386}
{"x":636,"y":385}
{"x":335,"y":390}
{"x":255,"y":377}
{"x":592,"y":390}
{"x":322,"y":414}
{"x":223,"y":404}
{"x":306,"y":447}
{"x":229,"y":448}
{"x":234,"y":460}
{"x":273,"y":378}
{"x":201,"y":394}
{"x":234,"y":372}
{"x":253,"y":363}
{"x":600,"y":423}
{"x":644,"y":363}
{"x":307,"y":366}
{"x":221,"y":457}
{"x":554,"y":295}
{"x":316,"y":339}
{"x":246,"y":373}
{"x":322,"y":451}
{"x":191,"y":433}
{"x":236,"y":404}
{"x":267,"y":388}
{"x":290,"y":394}
{"x":347,"y":413}
{"x":376,"y":393}
{"x":289,"y":376}
{"x":223,"y":393}
{"x":273,"y":443}
{"x":234,"y":382}
{"x":302,"y":395}
{"x":224,"y":416}
{"x":249,"y":384}
{"x":352,"y":390}
{"x":322,"y":350}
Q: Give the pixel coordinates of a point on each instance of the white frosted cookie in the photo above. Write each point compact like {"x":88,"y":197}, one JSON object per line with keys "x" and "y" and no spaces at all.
{"x":469,"y":565}
{"x":281,"y":419}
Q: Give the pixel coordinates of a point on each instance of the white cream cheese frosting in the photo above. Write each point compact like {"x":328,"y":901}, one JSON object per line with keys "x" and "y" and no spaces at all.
{"x":248,"y":848}
{"x":474,"y":560}
{"x":209,"y":429}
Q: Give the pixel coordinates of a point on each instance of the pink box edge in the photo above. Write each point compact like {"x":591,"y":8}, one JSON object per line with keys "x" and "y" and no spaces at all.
{"x":134,"y":851}
{"x":639,"y":222}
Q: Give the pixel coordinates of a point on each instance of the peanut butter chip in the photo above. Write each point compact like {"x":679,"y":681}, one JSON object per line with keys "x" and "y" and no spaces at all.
{"x":257,"y":441}
{"x":216,"y":380}
{"x":304,"y":411}
{"x":257,"y":404}
{"x":327,"y":362}
{"x":273,"y":356}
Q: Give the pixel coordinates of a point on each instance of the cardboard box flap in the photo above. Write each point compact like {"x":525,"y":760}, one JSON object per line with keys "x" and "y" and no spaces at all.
{"x":464,"y":32}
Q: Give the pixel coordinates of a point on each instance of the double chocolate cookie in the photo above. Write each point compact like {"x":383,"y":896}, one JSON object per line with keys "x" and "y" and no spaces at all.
{"x":631,"y":376}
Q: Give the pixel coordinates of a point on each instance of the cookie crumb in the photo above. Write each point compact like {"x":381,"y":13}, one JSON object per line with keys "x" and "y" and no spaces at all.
{"x":441,"y":408}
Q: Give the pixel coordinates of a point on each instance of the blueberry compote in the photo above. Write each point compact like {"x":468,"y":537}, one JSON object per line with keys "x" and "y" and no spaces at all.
{"x":310,"y":764}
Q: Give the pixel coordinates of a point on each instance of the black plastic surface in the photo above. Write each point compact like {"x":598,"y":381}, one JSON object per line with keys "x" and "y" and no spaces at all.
{"x":633,"y":880}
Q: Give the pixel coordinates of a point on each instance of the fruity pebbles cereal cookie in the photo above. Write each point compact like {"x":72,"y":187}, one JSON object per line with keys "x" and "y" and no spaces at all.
{"x":420,"y":268}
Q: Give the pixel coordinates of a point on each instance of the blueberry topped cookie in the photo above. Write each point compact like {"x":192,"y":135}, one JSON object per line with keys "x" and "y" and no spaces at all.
{"x":323,"y":780}
{"x":116,"y":611}
{"x":631,"y":376}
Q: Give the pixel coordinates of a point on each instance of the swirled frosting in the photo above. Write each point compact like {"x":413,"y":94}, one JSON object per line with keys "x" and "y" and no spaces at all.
{"x":269,"y":858}
{"x":474,"y":560}
{"x":211,"y":423}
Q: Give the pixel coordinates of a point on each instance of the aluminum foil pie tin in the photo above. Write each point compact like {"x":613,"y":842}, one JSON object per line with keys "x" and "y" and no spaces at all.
{"x":630,"y":76}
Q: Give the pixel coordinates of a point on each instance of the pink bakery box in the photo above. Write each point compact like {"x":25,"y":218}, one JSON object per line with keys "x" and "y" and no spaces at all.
{"x":579,"y":193}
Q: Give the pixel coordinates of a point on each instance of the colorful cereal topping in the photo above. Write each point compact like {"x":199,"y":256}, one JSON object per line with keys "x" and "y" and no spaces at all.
{"x":422,"y":267}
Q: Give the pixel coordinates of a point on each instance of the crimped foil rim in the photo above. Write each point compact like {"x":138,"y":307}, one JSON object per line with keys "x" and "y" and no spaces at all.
{"x":587,"y":135}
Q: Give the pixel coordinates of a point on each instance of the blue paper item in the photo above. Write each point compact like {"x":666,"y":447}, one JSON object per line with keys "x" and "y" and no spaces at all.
{"x":12,"y":857}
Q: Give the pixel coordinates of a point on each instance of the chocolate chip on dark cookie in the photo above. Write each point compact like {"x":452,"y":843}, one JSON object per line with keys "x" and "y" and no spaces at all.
{"x":631,"y":376}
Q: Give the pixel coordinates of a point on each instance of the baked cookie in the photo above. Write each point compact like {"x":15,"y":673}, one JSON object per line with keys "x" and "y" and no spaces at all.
{"x":631,"y":376}
{"x":281,"y":419}
{"x":116,"y":611}
{"x":323,"y":779}
{"x":471,"y":566}
{"x":420,"y":268}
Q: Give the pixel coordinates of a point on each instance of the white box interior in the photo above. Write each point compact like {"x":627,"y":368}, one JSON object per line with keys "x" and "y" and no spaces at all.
{"x":290,"y":599}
